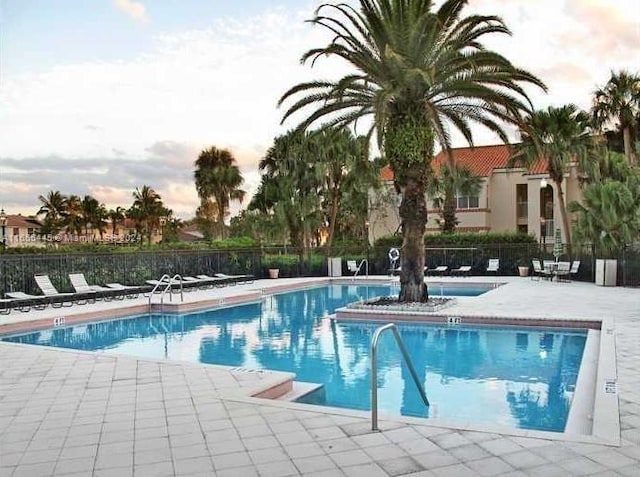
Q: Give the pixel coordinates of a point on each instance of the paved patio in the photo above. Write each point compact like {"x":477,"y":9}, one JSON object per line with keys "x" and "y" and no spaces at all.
{"x":79,"y":413}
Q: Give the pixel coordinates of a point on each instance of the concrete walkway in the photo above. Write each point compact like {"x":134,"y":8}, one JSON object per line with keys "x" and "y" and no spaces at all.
{"x":80,"y":413}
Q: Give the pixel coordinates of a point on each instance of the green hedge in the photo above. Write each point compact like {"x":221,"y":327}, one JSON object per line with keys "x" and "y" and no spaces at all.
{"x":463,"y":239}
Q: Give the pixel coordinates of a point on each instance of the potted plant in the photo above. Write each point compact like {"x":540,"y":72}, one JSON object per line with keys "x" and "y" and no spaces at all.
{"x":274,"y":272}
{"x":523,"y":267}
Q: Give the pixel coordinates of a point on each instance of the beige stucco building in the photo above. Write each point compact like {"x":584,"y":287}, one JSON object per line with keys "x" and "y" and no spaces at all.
{"x":510,"y":199}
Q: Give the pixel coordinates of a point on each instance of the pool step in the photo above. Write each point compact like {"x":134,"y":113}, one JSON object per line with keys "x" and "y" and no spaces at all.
{"x":299,"y":390}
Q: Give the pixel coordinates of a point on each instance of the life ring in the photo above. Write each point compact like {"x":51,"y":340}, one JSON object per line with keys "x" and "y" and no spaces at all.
{"x":394,"y":254}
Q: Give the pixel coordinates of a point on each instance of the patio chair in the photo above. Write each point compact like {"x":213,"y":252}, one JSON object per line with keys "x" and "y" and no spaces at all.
{"x":574,"y":269}
{"x":493,"y":266}
{"x":61,"y":299}
{"x":25,"y":301}
{"x":539,"y":271}
{"x":562,"y":271}
{"x":80,"y":285}
{"x":464,"y":270}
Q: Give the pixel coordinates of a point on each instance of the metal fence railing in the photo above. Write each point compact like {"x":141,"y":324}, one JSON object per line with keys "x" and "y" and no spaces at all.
{"x":17,"y":271}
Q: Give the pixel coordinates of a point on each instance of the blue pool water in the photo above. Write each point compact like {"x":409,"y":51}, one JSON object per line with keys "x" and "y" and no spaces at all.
{"x":521,"y":378}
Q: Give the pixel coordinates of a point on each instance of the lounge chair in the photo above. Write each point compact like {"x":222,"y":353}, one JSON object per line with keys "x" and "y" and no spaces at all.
{"x":245,"y":278}
{"x":61,"y":299}
{"x":130,"y":291}
{"x":463,"y":270}
{"x":25,"y":301}
{"x":80,"y":285}
{"x":439,"y":270}
{"x":493,"y":266}
{"x":214,"y":281}
{"x":6,"y":305}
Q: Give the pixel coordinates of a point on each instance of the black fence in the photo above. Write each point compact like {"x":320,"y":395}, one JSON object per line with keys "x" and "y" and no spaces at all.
{"x":17,"y":271}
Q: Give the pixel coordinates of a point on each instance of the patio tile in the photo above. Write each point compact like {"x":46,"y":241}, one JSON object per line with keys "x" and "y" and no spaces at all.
{"x":231,"y":460}
{"x":34,"y":470}
{"x":82,"y":464}
{"x":247,"y":471}
{"x":268,"y":455}
{"x":193,"y":465}
{"x":469,"y":452}
{"x":351,"y":457}
{"x":524,"y":459}
{"x":307,"y":465}
{"x":277,"y":469}
{"x":489,"y":466}
{"x":364,"y":470}
{"x":309,"y":449}
{"x":160,"y":469}
{"x":457,"y":470}
{"x":439,"y":458}
{"x":500,"y":446}
{"x":400,"y":466}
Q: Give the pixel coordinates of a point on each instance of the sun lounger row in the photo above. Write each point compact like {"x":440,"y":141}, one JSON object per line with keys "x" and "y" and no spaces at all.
{"x":85,"y":293}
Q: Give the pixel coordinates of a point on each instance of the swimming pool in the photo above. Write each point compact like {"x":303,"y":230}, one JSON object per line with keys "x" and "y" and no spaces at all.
{"x":521,"y":378}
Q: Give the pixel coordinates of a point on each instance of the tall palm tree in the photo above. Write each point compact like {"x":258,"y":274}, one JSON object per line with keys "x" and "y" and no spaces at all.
{"x":619,"y":100}
{"x":218,"y":176}
{"x":444,"y":187}
{"x":53,"y":207}
{"x":561,"y":136}
{"x":116,"y":216}
{"x":73,"y":219}
{"x":148,"y":209}
{"x":418,"y":73}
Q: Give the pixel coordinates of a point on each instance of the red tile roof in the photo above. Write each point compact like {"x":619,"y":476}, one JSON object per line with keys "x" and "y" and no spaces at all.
{"x":480,"y":160}
{"x":22,"y":222}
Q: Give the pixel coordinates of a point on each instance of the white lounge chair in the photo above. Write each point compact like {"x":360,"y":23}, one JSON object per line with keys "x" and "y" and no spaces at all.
{"x":439,"y":270}
{"x":463,"y":270}
{"x":61,"y":299}
{"x":25,"y":301}
{"x":493,"y":265}
{"x":80,"y":285}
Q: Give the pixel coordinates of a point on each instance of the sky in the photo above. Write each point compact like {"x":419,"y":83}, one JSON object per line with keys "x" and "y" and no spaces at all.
{"x":102,"y":96}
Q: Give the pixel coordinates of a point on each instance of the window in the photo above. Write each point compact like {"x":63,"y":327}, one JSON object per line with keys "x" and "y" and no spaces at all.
{"x":467,"y":202}
{"x":16,"y":231}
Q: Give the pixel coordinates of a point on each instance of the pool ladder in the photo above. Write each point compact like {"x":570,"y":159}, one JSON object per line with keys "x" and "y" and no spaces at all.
{"x":374,"y":370}
{"x":170,"y":281}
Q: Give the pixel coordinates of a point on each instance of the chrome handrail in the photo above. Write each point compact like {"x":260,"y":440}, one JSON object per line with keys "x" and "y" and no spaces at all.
{"x":366,"y":268}
{"x":156,"y":287}
{"x":169,"y":283}
{"x":374,"y":370}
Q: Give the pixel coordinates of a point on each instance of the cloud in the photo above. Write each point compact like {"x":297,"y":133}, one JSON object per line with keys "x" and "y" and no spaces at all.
{"x":135,"y":10}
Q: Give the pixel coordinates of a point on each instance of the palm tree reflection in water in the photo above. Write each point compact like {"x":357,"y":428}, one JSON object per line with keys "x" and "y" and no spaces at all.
{"x":517,"y":377}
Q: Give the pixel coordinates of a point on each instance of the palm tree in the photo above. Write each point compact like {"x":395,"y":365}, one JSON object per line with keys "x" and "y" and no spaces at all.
{"x":619,"y":100}
{"x":218,"y":176}
{"x":147,"y":208}
{"x":561,"y":136}
{"x":418,"y":73}
{"x":443,"y":190}
{"x":54,"y":208}
{"x":73,"y":219}
{"x":609,"y":215}
{"x":116,"y":216}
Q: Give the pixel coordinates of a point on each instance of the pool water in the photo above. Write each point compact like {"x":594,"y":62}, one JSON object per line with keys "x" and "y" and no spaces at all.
{"x":522,"y":378}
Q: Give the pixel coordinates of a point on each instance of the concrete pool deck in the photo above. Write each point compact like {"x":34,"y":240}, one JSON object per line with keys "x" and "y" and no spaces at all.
{"x":66,"y":412}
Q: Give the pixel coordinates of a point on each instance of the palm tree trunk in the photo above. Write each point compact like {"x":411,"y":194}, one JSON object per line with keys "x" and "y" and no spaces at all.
{"x":628,"y":153}
{"x":564,"y":216}
{"x":332,"y":224}
{"x":449,"y":211}
{"x":413,"y":215}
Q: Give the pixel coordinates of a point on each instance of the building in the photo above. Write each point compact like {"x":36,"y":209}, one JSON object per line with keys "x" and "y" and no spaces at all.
{"x":510,"y":199}
{"x":18,"y":230}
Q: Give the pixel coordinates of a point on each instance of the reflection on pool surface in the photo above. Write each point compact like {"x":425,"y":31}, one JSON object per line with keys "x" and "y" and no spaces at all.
{"x":520,"y":378}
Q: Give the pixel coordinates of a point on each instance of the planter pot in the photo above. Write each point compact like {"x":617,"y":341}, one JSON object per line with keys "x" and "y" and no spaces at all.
{"x":523,"y":271}
{"x":274,"y":272}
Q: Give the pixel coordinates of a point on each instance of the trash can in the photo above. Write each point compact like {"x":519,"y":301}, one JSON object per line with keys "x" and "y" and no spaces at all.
{"x":335,"y":266}
{"x":606,"y":272}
